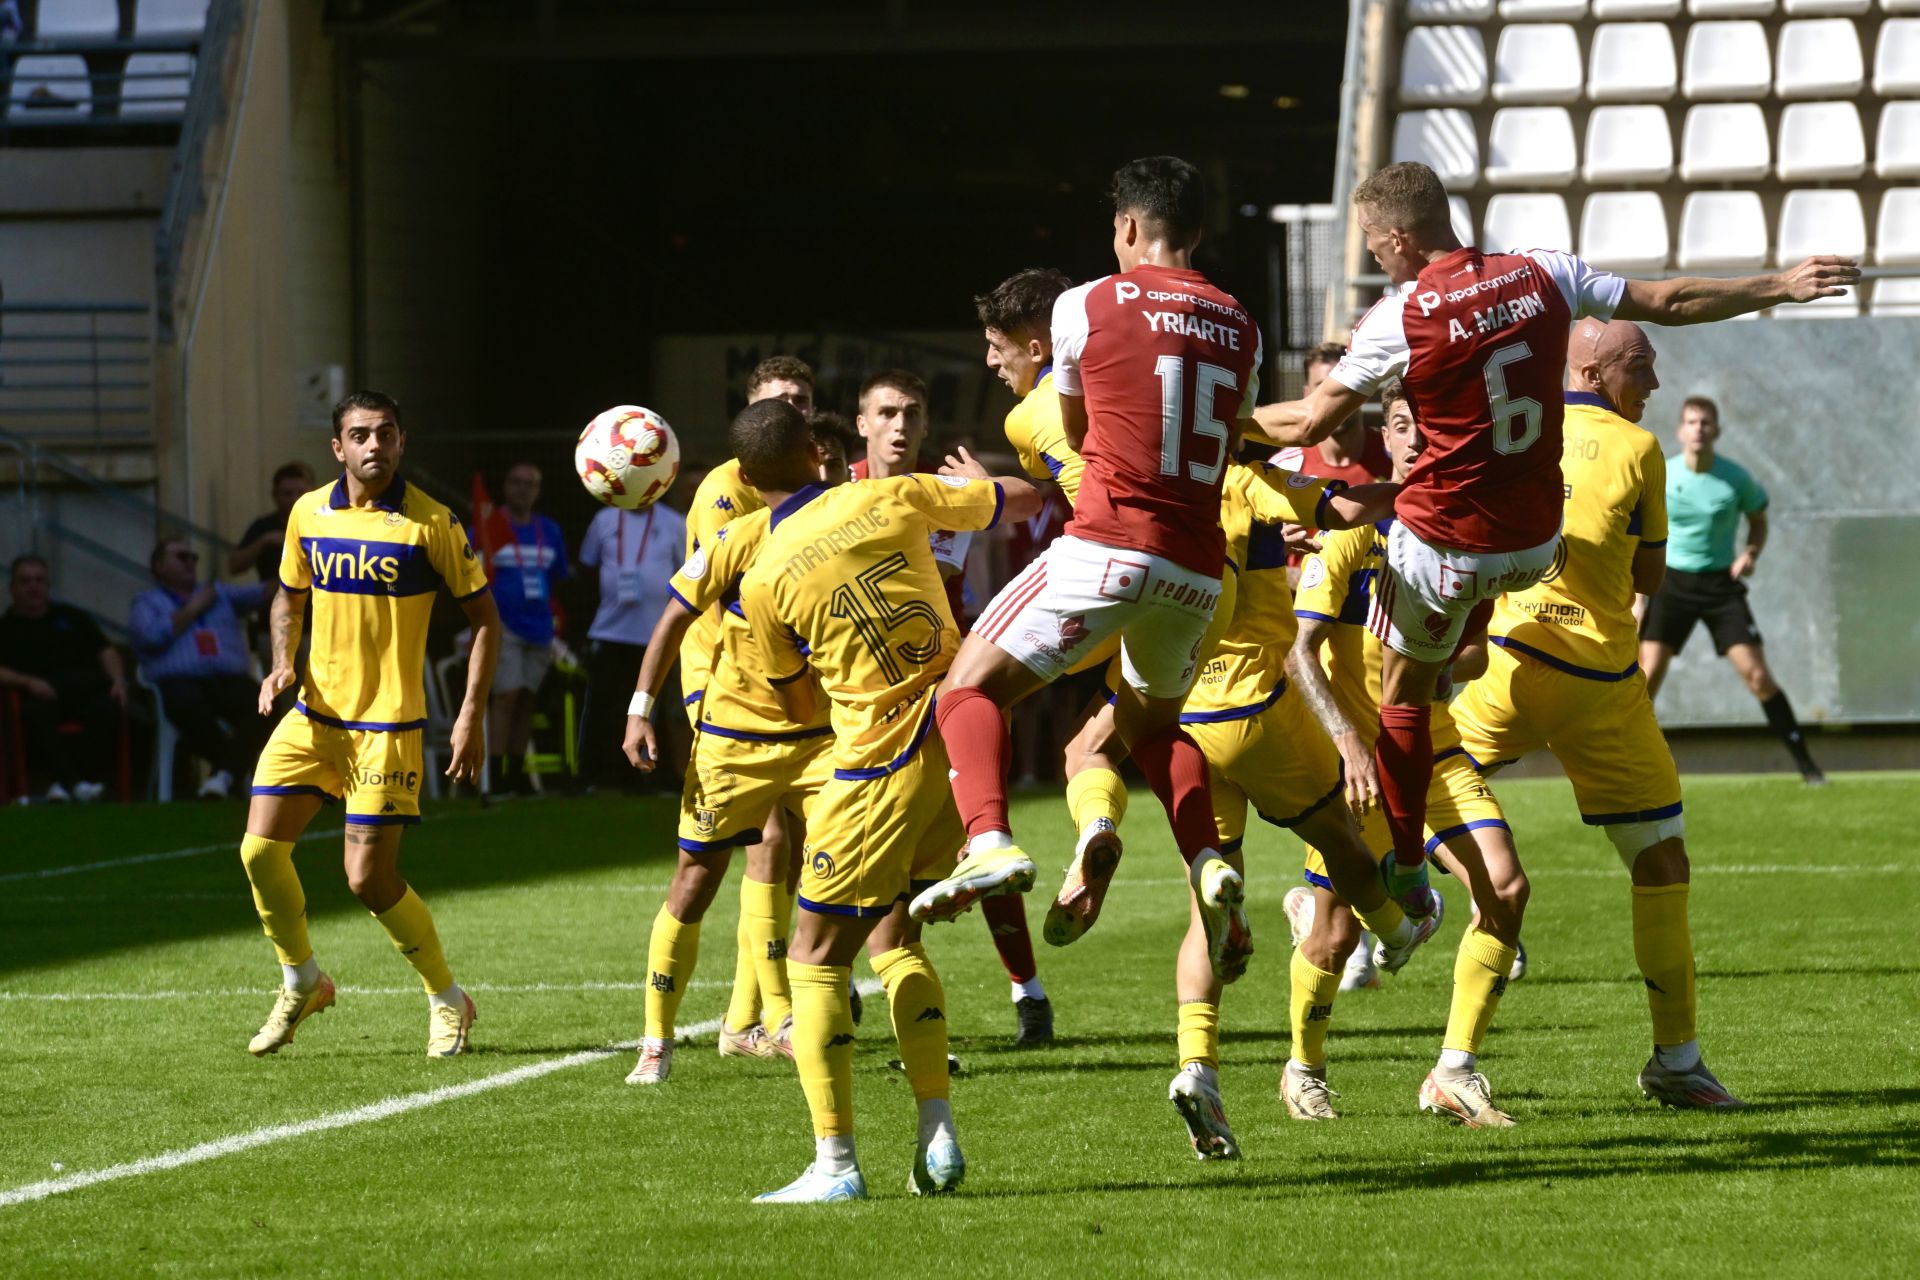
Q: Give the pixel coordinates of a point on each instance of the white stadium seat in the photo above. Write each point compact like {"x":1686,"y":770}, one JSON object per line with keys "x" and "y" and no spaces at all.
{"x":1896,"y":236}
{"x":1628,"y":144}
{"x":1896,"y":59}
{"x":1730,"y":8}
{"x":1624,"y":231}
{"x":1461,"y":217}
{"x":1821,"y":141}
{"x":1820,"y":8}
{"x":1632,"y":62}
{"x":1820,"y":222}
{"x":1819,"y":58}
{"x":1722,"y":231}
{"x":1443,"y":140}
{"x":1724,"y":142}
{"x":156,"y":85}
{"x":1896,"y":149}
{"x":1443,"y":66}
{"x":1530,"y":147}
{"x":1727,"y":60}
{"x":1899,"y":297}
{"x":64,"y":19}
{"x":1900,"y":6}
{"x":1537,"y":62}
{"x":1615,"y":9}
{"x":1543,"y":10}
{"x":1449,"y":10}
{"x":170,"y":17}
{"x":1526,"y":222}
{"x":43,"y":88}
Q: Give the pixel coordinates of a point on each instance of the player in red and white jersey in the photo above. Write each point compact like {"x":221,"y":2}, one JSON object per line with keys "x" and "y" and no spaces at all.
{"x":1480,"y":342}
{"x":1155,"y":368}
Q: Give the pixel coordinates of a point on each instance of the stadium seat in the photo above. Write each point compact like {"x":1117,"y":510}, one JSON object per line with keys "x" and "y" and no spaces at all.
{"x":1898,"y":297}
{"x":170,"y":17}
{"x":1444,"y":140}
{"x":1443,"y":66}
{"x":1896,"y":149}
{"x":1632,"y":62}
{"x":1628,"y":144}
{"x":1820,"y":222}
{"x":1722,"y":231}
{"x":66,"y":19}
{"x":1724,"y":142}
{"x":1896,"y":236}
{"x":1449,"y":10}
{"x":1530,"y":147}
{"x":1819,"y":8}
{"x":1543,"y":10}
{"x":1900,"y":6}
{"x":1730,"y":8}
{"x":1896,"y":59}
{"x":1821,"y":141}
{"x":1461,"y":217}
{"x":1819,"y":58}
{"x":156,"y":86}
{"x":1526,"y":222}
{"x":1537,"y":62}
{"x":1624,"y":231}
{"x":1609,"y":10}
{"x":45,"y":87}
{"x":1727,"y":60}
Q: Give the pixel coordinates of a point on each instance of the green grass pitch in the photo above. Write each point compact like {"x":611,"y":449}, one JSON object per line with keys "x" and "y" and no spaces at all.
{"x":1809,"y":996}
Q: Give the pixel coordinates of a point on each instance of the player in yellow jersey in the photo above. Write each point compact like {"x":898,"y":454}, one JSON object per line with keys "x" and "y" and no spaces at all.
{"x":749,"y":761}
{"x":373,"y":551}
{"x":1467,"y":832}
{"x":846,"y":590}
{"x":1564,"y":674}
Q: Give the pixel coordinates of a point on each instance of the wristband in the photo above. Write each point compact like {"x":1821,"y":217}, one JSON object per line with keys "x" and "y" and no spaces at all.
{"x":641,"y":704}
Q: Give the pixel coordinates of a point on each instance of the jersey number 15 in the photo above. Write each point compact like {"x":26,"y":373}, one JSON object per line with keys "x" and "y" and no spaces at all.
{"x":864,"y":603}
{"x":1172,"y":372}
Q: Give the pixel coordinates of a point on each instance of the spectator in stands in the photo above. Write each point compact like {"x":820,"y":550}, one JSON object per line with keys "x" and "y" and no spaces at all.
{"x":72,"y":686}
{"x":192,"y":647}
{"x":1354,"y":452}
{"x":635,"y":553}
{"x":261,"y":544}
{"x":1707,"y":495}
{"x":526,"y":555}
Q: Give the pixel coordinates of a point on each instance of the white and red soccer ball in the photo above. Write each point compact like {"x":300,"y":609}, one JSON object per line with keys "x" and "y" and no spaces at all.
{"x":627,"y":457}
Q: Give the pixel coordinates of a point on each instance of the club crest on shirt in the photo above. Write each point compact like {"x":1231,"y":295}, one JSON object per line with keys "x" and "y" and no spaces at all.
{"x":696,"y":566}
{"x":1300,"y":480}
{"x":955,"y":482}
{"x":393,"y":519}
{"x":1313,"y":573}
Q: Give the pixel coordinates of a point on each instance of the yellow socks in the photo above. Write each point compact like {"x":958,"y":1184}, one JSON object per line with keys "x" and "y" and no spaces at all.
{"x":1199,"y":1038}
{"x":919,"y":1008}
{"x":1479,"y":980}
{"x":763,"y":923}
{"x":743,"y":1007}
{"x":1664,"y":947}
{"x":1096,"y":793}
{"x":410,"y":925}
{"x":1313,"y":992}
{"x":1386,"y":922}
{"x":823,"y":1044}
{"x":672,"y":950}
{"x":277,"y":896}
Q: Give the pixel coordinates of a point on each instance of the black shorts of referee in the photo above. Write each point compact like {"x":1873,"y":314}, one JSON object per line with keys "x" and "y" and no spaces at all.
{"x":1716,"y":598}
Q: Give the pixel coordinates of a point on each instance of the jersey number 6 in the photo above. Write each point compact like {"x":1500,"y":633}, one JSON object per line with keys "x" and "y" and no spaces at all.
{"x":1505,"y":410}
{"x":1172,"y":372}
{"x":864,"y":603}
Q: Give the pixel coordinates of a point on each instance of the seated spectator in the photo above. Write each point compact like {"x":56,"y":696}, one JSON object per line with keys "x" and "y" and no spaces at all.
{"x":67,"y":675}
{"x":190,"y":642}
{"x":261,"y":544}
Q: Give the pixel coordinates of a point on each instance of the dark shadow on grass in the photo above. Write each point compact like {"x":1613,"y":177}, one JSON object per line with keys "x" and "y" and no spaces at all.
{"x":1710,"y":975}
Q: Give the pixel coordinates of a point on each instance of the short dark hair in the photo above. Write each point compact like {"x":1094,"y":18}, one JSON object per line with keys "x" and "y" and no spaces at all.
{"x":772,"y":441}
{"x":21,"y":561}
{"x":1407,"y":196}
{"x":293,"y":471}
{"x":376,"y":401}
{"x":1393,"y":389}
{"x":779,"y":369}
{"x":833,"y":429}
{"x":1022,"y":304}
{"x":1703,"y":403}
{"x":160,"y":549}
{"x":1164,"y":192}
{"x":904,"y":381}
{"x":1328,"y":353}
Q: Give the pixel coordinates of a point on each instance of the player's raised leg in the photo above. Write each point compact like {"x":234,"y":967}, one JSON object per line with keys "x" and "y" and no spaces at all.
{"x":1097,"y":800}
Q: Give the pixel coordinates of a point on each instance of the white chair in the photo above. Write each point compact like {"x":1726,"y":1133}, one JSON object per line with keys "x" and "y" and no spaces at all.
{"x":1444,"y":140}
{"x":1443,"y":66}
{"x":1727,"y":60}
{"x":1543,"y":10}
{"x":1628,"y":144}
{"x":1900,"y":6}
{"x":1730,"y":8}
{"x":1537,"y":62}
{"x":1624,"y":231}
{"x":1462,"y":219}
{"x":1897,"y":297}
{"x":1816,"y":8}
{"x":1530,"y":147}
{"x":1821,"y":141}
{"x":1525,"y":222}
{"x":1609,"y":10}
{"x":65,"y":19}
{"x":156,"y":86}
{"x":1722,"y":231}
{"x":1896,"y":59}
{"x":1632,"y":62}
{"x":1449,"y":10}
{"x":49,"y":87}
{"x":166,"y":740}
{"x":1896,"y":235}
{"x":170,"y":17}
{"x":1724,"y":142}
{"x":1896,"y":147}
{"x":1820,"y":58}
{"x":1820,"y":222}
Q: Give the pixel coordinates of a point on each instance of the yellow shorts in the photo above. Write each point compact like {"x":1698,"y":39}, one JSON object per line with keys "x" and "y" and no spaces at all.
{"x":378,"y":771}
{"x":734,"y":782}
{"x":1458,"y":801}
{"x":1603,"y":732}
{"x":1278,"y":760}
{"x":870,"y":840}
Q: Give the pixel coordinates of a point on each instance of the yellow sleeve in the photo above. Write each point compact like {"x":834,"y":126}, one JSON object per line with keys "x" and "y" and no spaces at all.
{"x":713,"y":567}
{"x":1326,"y":575}
{"x":951,"y":502}
{"x":1275,"y":494}
{"x":776,"y":642}
{"x":1650,"y":516}
{"x":1020,"y":436}
{"x":455,"y":559}
{"x":296,"y":570}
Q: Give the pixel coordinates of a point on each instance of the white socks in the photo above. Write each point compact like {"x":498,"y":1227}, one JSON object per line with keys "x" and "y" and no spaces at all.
{"x":1678,"y":1057}
{"x":304,"y":976}
{"x":834,"y":1156}
{"x":988,"y":841}
{"x":452,"y":998}
{"x":1029,"y":990}
{"x":1457,"y":1060}
{"x":936,"y":1120}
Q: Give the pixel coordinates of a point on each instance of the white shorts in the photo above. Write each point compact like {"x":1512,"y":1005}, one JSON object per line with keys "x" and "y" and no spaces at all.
{"x":1427,"y":592}
{"x":1080,"y":594}
{"x":523,"y":664}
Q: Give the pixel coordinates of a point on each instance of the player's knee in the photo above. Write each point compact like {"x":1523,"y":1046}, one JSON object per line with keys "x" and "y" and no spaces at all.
{"x":1652,"y":844}
{"x":1760,"y":682}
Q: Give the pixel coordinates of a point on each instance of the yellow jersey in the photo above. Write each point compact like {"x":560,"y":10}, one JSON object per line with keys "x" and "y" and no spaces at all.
{"x":1038,"y":434}
{"x":847,"y":585}
{"x":373,"y":572}
{"x":739,"y":703}
{"x":723,"y":496}
{"x":1579,"y":619}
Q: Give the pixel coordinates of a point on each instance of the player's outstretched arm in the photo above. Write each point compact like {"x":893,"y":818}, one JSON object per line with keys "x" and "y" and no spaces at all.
{"x":469,"y":742}
{"x":1698,"y":300}
{"x":1020,"y":496}
{"x":1307,"y":421}
{"x":1361,"y":504}
{"x":284,"y":622}
{"x":1310,"y":678}
{"x":641,"y":745}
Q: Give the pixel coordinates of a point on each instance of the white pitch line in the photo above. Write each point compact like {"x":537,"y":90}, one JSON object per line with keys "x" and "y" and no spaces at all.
{"x":489,"y":988}
{"x":168,"y":855}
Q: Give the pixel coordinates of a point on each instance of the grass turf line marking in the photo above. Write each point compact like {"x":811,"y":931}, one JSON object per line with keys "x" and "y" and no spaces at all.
{"x":488,"y":988}
{"x":168,"y":855}
{"x":383,"y":1110}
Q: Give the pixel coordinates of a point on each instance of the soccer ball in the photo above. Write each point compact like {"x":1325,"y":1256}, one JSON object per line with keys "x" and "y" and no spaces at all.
{"x":627,"y":457}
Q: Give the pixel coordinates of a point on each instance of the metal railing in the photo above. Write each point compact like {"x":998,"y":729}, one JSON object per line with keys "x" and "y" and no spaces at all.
{"x":77,"y":373}
{"x":121,"y":82}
